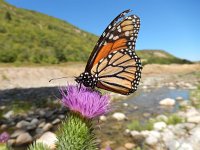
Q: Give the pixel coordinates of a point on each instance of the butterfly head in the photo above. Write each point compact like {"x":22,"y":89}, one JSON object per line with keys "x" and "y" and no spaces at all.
{"x":87,"y":79}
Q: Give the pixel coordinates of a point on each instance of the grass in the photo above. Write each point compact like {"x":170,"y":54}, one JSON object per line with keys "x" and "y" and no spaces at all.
{"x":195,"y":97}
{"x":174,"y":119}
{"x":138,"y":126}
{"x":148,"y":125}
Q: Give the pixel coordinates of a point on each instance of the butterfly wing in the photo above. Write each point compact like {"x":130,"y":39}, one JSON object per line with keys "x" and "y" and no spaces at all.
{"x":120,"y":34}
{"x":119,"y":72}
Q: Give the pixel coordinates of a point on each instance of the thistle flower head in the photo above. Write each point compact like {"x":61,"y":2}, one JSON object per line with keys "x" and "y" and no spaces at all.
{"x":87,"y":102}
{"x":4,"y":137}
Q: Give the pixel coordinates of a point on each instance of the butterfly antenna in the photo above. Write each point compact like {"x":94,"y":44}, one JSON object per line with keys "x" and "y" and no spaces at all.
{"x":57,"y":78}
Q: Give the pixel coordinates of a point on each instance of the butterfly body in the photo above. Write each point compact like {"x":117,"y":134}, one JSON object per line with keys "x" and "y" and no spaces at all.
{"x":113,"y":64}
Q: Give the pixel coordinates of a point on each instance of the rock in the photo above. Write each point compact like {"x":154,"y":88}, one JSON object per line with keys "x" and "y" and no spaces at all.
{"x":193,"y":119}
{"x":23,"y":124}
{"x":39,"y":131}
{"x":24,"y":138}
{"x":179,"y":98}
{"x":151,"y":140}
{"x":184,"y":103}
{"x":145,"y":133}
{"x":192,"y":112}
{"x":129,"y":145}
{"x":119,"y":116}
{"x":9,"y":114}
{"x":162,"y":118}
{"x":127,"y":131}
{"x":61,"y":116}
{"x":103,"y":118}
{"x":35,"y":121}
{"x":125,"y":104}
{"x":56,"y":121}
{"x":167,"y":102}
{"x":3,"y":126}
{"x":47,"y":127}
{"x":159,"y":125}
{"x":167,"y":136}
{"x":185,"y":146}
{"x":120,"y":148}
{"x":42,"y":124}
{"x":154,"y":133}
{"x":11,"y":142}
{"x":194,"y":138}
{"x":172,"y":87}
{"x":189,"y":126}
{"x":134,"y":133}
{"x":49,"y":139}
{"x":146,"y":114}
{"x":16,"y":133}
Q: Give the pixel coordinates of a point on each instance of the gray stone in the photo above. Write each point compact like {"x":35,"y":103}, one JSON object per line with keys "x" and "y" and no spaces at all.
{"x":9,"y":114}
{"x":42,"y":124}
{"x":61,"y":116}
{"x":24,"y":138}
{"x":194,"y":119}
{"x":119,"y":116}
{"x":16,"y":133}
{"x":167,"y":102}
{"x":151,"y":140}
{"x":103,"y":118}
{"x":47,"y":127}
{"x":159,"y":125}
{"x":35,"y":121}
{"x":11,"y":142}
{"x":23,"y":124}
{"x":56,"y":121}
{"x":3,"y":126}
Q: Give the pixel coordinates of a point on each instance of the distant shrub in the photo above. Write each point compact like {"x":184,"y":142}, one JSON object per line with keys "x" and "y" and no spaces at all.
{"x":8,"y":16}
{"x":175,"y":119}
{"x":138,"y":126}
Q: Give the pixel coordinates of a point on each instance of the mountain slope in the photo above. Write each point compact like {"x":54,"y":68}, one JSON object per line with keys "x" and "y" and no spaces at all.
{"x":28,"y":36}
{"x":160,"y":57}
{"x":31,"y":37}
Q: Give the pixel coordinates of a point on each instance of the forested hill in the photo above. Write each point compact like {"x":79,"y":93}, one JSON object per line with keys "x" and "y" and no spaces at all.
{"x":31,"y":37}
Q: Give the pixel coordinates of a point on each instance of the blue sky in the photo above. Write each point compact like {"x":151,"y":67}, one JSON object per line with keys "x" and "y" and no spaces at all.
{"x":171,"y":25}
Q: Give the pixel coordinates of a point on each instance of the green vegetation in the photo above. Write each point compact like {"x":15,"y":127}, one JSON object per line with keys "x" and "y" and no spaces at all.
{"x":174,"y":119}
{"x":138,"y":126}
{"x":195,"y":97}
{"x":29,"y":37}
{"x":159,"y":57}
{"x":38,"y":146}
{"x":148,"y":125}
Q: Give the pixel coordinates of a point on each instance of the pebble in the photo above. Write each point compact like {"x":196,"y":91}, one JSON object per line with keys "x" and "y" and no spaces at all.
{"x":103,"y":118}
{"x":48,"y":138}
{"x":194,"y":119}
{"x":23,"y":124}
{"x":129,"y":145}
{"x":159,"y":125}
{"x":56,"y":121}
{"x":47,"y":127}
{"x":167,"y":102}
{"x":16,"y":133}
{"x":9,"y":114}
{"x":119,"y":116}
{"x":24,"y":138}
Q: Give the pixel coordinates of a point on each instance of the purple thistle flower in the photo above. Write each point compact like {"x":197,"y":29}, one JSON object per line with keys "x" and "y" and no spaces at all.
{"x":4,"y":137}
{"x":108,"y":148}
{"x":87,"y":102}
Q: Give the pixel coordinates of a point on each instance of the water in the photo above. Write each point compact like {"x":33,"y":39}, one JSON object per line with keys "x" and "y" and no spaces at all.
{"x":148,"y":102}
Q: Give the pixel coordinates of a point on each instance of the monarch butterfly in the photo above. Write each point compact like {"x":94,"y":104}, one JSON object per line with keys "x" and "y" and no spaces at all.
{"x":113,"y":64}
